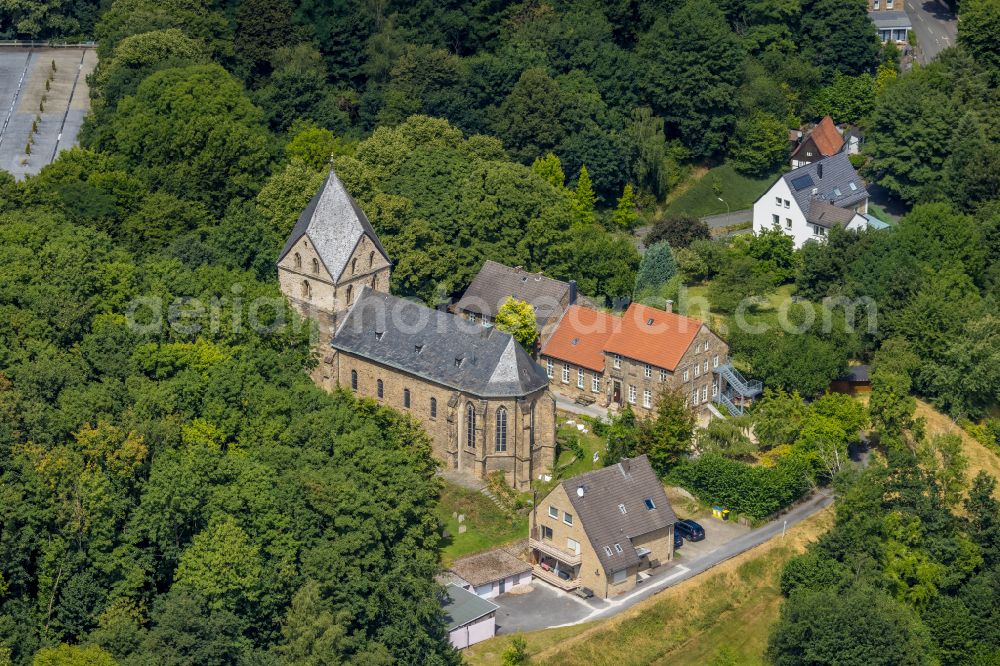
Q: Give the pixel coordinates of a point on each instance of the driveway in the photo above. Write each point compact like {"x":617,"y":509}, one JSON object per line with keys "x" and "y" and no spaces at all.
{"x":936,"y":27}
{"x":545,"y":607}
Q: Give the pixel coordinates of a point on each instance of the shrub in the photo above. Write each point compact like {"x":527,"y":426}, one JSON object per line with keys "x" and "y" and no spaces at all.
{"x":756,"y":492}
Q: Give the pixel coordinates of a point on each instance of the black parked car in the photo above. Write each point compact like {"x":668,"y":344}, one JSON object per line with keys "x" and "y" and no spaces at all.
{"x":678,"y":538}
{"x":689,"y":529}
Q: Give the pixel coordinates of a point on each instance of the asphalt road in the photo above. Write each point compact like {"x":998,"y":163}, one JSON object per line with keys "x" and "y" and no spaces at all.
{"x":547,"y":608}
{"x":935,"y":25}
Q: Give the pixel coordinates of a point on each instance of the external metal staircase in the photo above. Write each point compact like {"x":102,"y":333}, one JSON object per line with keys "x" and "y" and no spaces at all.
{"x":736,"y":386}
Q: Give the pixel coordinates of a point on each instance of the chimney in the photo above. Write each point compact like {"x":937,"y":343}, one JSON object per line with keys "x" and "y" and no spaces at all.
{"x":572,"y":292}
{"x":819,"y":170}
{"x":670,"y":305}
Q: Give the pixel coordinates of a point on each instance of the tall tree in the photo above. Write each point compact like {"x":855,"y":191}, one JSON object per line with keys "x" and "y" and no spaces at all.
{"x":518,"y":318}
{"x":692,"y":67}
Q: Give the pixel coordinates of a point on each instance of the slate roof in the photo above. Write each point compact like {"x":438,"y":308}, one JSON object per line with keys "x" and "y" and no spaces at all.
{"x":825,"y":136}
{"x":834,"y":186}
{"x":825,"y":214}
{"x":890,"y":18}
{"x":462,"y":607}
{"x":629,"y":483}
{"x":487,"y":567}
{"x":334,"y":223}
{"x":495,"y":282}
{"x":857,"y":373}
{"x":437,"y":346}
{"x":580,"y":337}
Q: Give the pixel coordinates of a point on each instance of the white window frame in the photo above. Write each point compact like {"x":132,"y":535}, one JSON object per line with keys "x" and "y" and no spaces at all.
{"x":705,"y":364}
{"x":595,"y":383}
{"x":548,"y":368}
{"x":617,"y":360}
{"x":648,"y":370}
{"x":788,"y":223}
{"x":565,"y":374}
{"x":663,"y":375}
{"x":775,"y":219}
{"x":567,"y":517}
{"x":715,"y":361}
{"x":777,"y":201}
{"x":572,"y":545}
{"x":686,"y":375}
{"x":631,"y":394}
{"x":694,"y":397}
{"x":715,"y":390}
{"x":647,"y":398}
{"x":704,"y":393}
{"x":553,"y":512}
{"x":621,"y":508}
{"x":788,"y":204}
{"x":697,"y":370}
{"x":579,"y":378}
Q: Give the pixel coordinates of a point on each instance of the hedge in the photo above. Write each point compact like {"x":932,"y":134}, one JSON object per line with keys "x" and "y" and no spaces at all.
{"x":756,"y":492}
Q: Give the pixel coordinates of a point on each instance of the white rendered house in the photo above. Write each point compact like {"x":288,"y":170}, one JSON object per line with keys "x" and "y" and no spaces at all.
{"x":806,"y":202}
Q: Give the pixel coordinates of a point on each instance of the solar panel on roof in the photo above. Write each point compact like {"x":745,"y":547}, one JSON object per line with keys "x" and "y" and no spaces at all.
{"x":802,"y":182}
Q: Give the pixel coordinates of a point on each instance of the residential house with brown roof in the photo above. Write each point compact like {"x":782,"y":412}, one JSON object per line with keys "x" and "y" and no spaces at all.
{"x":495,"y":283}
{"x":602,"y":530}
{"x":593,"y":356}
{"x":822,"y":141}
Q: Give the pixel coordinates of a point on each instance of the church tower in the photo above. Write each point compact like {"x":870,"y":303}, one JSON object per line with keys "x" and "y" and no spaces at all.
{"x":331,"y":254}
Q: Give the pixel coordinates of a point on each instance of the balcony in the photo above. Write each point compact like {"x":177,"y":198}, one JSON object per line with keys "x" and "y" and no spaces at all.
{"x":552,"y":578}
{"x":547,"y":548}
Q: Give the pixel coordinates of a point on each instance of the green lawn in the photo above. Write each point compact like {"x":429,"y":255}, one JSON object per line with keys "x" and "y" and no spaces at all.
{"x":697,"y":296}
{"x":738,"y":190}
{"x":487,"y":525}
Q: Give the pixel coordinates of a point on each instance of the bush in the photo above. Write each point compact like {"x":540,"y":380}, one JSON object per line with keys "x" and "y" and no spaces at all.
{"x":756,"y":492}
{"x":678,"y":230}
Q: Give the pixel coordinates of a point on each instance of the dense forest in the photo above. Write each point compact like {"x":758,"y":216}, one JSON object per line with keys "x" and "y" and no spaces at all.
{"x":182,"y":494}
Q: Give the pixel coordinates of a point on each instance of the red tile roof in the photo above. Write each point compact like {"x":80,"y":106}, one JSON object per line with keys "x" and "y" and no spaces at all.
{"x":580,"y":336}
{"x":653,"y":336}
{"x":643,"y":333}
{"x":827,"y":138}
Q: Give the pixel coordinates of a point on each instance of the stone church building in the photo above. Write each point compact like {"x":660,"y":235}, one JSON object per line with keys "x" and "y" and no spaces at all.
{"x":482,"y":399}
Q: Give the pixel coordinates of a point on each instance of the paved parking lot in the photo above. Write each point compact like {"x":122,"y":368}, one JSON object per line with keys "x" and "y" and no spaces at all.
{"x":57,"y":111}
{"x":545,"y":606}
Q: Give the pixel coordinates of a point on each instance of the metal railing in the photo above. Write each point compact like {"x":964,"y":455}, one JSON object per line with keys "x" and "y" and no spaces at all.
{"x":748,"y":388}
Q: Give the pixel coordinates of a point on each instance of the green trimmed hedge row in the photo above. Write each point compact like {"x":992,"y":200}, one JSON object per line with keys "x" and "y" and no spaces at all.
{"x":756,"y":492}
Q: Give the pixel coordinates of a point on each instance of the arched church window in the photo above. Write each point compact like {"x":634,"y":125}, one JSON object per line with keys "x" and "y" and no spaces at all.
{"x":315,"y":265}
{"x":307,"y":292}
{"x":298,"y":260}
{"x":470,"y":426}
{"x":350,"y":294}
{"x":501,"y":430}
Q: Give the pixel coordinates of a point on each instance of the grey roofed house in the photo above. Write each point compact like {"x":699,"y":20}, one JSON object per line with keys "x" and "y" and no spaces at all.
{"x":437,"y":346}
{"x":629,"y":483}
{"x":334,"y":223}
{"x":462,"y":607}
{"x":890,"y":19}
{"x":495,"y":282}
{"x":832,"y":179}
{"x":477,"y":570}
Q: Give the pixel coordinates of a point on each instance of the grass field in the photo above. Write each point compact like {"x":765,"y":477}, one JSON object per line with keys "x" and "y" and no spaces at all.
{"x":730,"y":608}
{"x":487,"y":525}
{"x":695,"y":304}
{"x":980,"y":457}
{"x":699,"y":199}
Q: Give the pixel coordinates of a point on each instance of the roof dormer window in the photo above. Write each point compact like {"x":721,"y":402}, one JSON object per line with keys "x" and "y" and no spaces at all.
{"x":418,"y":348}
{"x":621,"y":507}
{"x":458,"y":362}
{"x":607,"y":549}
{"x":379,"y":334}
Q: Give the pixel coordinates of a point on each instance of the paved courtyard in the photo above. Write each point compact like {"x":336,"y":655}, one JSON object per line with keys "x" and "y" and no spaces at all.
{"x":545,"y":606}
{"x":57,"y":111}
